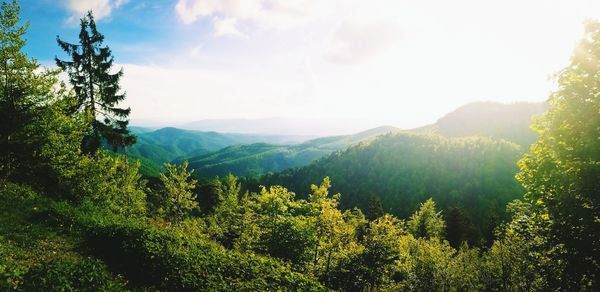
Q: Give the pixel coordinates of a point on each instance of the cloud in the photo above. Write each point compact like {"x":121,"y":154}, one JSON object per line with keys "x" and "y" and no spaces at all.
{"x":264,"y":14}
{"x":355,"y":42}
{"x":101,"y":8}
{"x":226,"y":26}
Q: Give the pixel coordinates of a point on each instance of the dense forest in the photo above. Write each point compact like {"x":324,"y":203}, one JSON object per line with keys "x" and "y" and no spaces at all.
{"x":399,"y":171}
{"x":76,"y":213}
{"x":257,"y":159}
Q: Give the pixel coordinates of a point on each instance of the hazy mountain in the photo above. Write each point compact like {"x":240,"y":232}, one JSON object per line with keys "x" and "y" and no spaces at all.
{"x":287,"y":126}
{"x":260,"y":158}
{"x":213,"y":153}
{"x":167,"y":144}
{"x":490,"y":119}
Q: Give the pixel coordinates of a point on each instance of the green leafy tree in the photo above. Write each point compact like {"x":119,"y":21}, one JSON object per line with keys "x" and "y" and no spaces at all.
{"x":562,"y":170}
{"x":226,"y":222}
{"x":24,"y":89}
{"x":427,"y":222}
{"x":96,"y":88}
{"x":284,"y":232}
{"x":520,"y":259}
{"x":382,"y":250}
{"x":329,"y":225}
{"x":179,"y":199}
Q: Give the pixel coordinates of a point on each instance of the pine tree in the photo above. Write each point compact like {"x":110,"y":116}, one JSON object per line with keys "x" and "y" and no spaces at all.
{"x":427,"y":222}
{"x":178,"y":195}
{"x":96,"y":88}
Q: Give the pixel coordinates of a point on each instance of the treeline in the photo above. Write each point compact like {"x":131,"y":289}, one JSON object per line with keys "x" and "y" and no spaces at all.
{"x":471,"y":179}
{"x":76,"y":217}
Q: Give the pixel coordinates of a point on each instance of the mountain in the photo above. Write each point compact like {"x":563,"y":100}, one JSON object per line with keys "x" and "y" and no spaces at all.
{"x":166,"y":144}
{"x":288,"y":126}
{"x":260,"y":158}
{"x":213,"y":153}
{"x":490,"y":119}
{"x":403,"y":169}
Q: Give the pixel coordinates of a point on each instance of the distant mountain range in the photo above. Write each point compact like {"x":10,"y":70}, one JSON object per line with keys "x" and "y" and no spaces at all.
{"x":214,"y":153}
{"x":155,"y":147}
{"x":260,"y":158}
{"x":289,"y":126}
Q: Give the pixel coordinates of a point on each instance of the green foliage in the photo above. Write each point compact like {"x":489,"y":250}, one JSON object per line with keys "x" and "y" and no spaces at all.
{"x":257,"y":159}
{"x":71,"y":275}
{"x":106,"y":180}
{"x":476,"y":174}
{"x":427,"y":222}
{"x":24,"y":90}
{"x":174,"y":259}
{"x":96,"y":88}
{"x":34,"y":256}
{"x":228,"y":221}
{"x":70,"y":203}
{"x":520,"y":259}
{"x":178,"y":198}
{"x":374,"y":207}
{"x":459,"y":227}
{"x":562,"y":170}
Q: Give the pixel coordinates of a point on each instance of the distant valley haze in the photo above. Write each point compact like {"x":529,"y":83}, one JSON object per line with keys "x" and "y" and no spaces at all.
{"x":302,"y":127}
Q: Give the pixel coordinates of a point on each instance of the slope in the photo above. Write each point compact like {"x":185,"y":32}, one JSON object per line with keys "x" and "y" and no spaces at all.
{"x":490,"y":119}
{"x":166,"y":144}
{"x":404,"y":169}
{"x":260,"y":158}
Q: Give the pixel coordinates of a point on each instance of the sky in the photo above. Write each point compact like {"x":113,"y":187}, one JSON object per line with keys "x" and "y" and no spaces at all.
{"x":399,"y":62}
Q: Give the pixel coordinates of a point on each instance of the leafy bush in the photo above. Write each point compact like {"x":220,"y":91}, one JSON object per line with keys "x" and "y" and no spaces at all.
{"x":175,"y":259}
{"x":71,"y":275}
{"x":11,"y":271}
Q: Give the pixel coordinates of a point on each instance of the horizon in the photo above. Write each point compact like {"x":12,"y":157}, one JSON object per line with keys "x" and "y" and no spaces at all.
{"x":371,"y":63}
{"x":320,"y":127}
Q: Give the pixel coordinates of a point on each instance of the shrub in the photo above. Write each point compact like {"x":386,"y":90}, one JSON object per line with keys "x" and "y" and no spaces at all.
{"x":71,"y":275}
{"x":176,"y":260}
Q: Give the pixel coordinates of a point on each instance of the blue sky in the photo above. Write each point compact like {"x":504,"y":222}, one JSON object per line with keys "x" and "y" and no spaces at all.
{"x":135,"y":30}
{"x":398,"y":62}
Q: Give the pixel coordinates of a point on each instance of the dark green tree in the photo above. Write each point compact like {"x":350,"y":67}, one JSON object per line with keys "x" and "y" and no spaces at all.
{"x":96,"y":88}
{"x":374,"y":207}
{"x":459,"y":227}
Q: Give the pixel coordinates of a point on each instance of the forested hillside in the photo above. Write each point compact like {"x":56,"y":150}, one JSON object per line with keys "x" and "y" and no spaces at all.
{"x":257,"y":159}
{"x":402,"y":170}
{"x":510,"y":122}
{"x":156,"y":147}
{"x":76,"y":216}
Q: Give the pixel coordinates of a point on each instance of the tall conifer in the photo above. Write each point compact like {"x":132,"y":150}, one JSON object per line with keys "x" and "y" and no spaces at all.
{"x":96,"y":88}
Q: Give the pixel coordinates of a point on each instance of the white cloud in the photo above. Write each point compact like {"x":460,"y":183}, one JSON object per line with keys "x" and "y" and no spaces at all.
{"x":226,"y":26}
{"x":265,"y":14}
{"x":354,"y":42}
{"x":100,"y":8}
